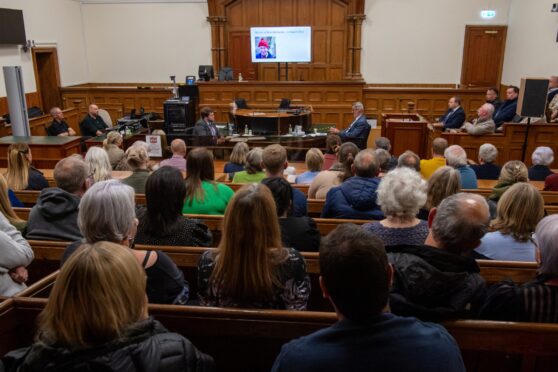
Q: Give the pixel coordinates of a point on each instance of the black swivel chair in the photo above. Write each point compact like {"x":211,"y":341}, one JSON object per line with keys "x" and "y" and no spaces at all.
{"x":241,"y":103}
{"x":285,"y":104}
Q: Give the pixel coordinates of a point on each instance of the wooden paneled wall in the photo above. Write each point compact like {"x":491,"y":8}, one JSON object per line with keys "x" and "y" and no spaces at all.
{"x":38,"y":125}
{"x":32,"y":99}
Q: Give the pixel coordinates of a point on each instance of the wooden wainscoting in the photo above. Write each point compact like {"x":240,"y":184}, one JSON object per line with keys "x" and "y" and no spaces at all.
{"x":32,"y":99}
{"x":38,"y":125}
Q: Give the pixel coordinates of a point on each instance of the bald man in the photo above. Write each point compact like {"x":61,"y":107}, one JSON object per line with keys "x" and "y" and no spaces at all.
{"x":483,"y":124}
{"x":59,"y":127}
{"x":93,"y":125}
{"x":178,"y":148}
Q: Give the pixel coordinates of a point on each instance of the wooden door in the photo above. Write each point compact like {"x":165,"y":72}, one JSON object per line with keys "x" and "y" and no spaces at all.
{"x":240,"y":58}
{"x":483,"y":55}
{"x":47,"y":77}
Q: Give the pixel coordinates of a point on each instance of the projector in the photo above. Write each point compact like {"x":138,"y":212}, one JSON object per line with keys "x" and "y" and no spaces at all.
{"x":554,"y":8}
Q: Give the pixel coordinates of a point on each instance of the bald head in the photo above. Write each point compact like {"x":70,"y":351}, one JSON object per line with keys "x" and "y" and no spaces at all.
{"x":93,"y":110}
{"x":366,"y":164}
{"x":178,"y":147}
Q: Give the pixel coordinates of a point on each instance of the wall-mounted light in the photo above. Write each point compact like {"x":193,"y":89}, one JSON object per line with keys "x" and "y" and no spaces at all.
{"x":30,"y":44}
{"x":487,"y":14}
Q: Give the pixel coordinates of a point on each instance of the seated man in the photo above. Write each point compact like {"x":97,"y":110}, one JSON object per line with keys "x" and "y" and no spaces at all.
{"x":54,"y":217}
{"x":274,"y":161}
{"x":355,"y":278}
{"x":486,"y":169}
{"x":483,"y":124}
{"x":355,"y":198}
{"x":358,"y":130}
{"x":385,"y":144}
{"x":507,"y":111}
{"x":439,"y":280}
{"x":59,"y":127}
{"x":178,"y":148}
{"x":410,"y":160}
{"x":93,"y":125}
{"x":429,"y":166}
{"x":456,"y":158}
{"x":493,"y":97}
{"x":455,"y":115}
{"x":205,"y":132}
{"x":552,"y":88}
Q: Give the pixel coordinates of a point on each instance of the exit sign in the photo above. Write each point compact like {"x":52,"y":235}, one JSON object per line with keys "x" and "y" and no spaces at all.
{"x":488,"y":13}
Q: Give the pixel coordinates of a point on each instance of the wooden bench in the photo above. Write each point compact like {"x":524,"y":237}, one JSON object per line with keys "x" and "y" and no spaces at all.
{"x":257,"y":335}
{"x":29,"y":197}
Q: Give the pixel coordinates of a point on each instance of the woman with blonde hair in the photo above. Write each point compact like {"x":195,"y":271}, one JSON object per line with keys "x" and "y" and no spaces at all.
{"x":250,"y":268}
{"x":6,"y":207}
{"x":314,"y":163}
{"x":96,"y":319}
{"x":21,"y":175}
{"x":99,"y":164}
{"x":237,"y":160}
{"x":445,"y":181}
{"x":253,"y":169}
{"x":112,"y":145}
{"x":511,"y":238}
{"x":138,"y":161}
{"x":512,"y":172}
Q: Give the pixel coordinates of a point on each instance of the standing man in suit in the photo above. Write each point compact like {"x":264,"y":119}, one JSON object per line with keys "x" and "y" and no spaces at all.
{"x":506,"y":112}
{"x":455,"y":116}
{"x":93,"y":125}
{"x":59,"y":127}
{"x":205,"y":132}
{"x":358,"y":130}
{"x":493,"y":97}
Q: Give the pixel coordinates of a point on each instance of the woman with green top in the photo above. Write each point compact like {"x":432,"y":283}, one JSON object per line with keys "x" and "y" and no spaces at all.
{"x":203,"y":194}
{"x":254,"y":172}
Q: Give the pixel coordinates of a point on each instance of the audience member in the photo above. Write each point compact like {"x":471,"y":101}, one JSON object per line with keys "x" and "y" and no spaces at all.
{"x":237,"y":160}
{"x":383,"y":158}
{"x":162,"y":222}
{"x":6,"y":207}
{"x":250,"y":269}
{"x":456,"y":158}
{"x":178,"y":148}
{"x":55,"y":215}
{"x":203,"y":194}
{"x":439,"y":280}
{"x":384,"y":143}
{"x":506,"y":112}
{"x":429,"y":166}
{"x":253,"y":172}
{"x":542,"y":158}
{"x":274,"y":160}
{"x":454,"y":116}
{"x":355,"y":198}
{"x":58,"y":126}
{"x":96,"y":319}
{"x":107,"y":212}
{"x":551,"y":182}
{"x":484,"y":124}
{"x":552,"y":110}
{"x":300,"y":233}
{"x":486,"y":169}
{"x":445,"y":182}
{"x":138,"y":161}
{"x":112,"y":145}
{"x":519,"y":210}
{"x":333,"y":142}
{"x":314,"y":161}
{"x":92,"y":125}
{"x":21,"y":175}
{"x":512,"y":172}
{"x":400,"y":195}
{"x":409,"y":160}
{"x":338,"y":172}
{"x":356,"y":278}
{"x":552,"y":88}
{"x":534,"y":301}
{"x":99,"y":164}
{"x":493,"y":97}
{"x":15,"y":256}
{"x":358,"y":130}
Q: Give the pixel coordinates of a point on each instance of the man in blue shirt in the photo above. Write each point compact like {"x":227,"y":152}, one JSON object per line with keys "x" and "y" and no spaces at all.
{"x":456,"y":157}
{"x":355,"y":278}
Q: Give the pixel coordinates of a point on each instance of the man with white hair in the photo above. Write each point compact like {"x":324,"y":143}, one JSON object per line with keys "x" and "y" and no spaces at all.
{"x":486,"y":169}
{"x":358,"y":130}
{"x":456,"y":158}
{"x":483,"y":124}
{"x":542,"y":158}
{"x":552,"y":88}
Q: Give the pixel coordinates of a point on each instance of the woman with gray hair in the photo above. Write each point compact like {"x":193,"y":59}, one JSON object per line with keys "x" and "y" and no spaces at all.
{"x":542,"y":157}
{"x":402,"y":192}
{"x":99,"y":164}
{"x":107,"y":212}
{"x":534,"y":301}
{"x":253,"y":172}
{"x":486,"y":169}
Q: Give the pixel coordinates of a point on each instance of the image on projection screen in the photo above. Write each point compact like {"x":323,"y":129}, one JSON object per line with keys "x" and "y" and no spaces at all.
{"x":281,"y":44}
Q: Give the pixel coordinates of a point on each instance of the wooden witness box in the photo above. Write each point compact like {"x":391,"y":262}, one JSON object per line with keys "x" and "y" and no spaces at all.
{"x":46,"y":151}
{"x":406,"y":132}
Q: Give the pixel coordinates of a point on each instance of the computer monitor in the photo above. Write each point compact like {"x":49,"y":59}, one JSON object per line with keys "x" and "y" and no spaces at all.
{"x":205,"y":72}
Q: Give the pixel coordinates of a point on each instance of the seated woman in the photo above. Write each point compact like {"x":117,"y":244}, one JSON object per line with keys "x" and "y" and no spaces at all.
{"x":107,"y":212}
{"x":203,"y":194}
{"x":138,"y":161}
{"x":333,"y":143}
{"x":542,"y":157}
{"x":112,"y":145}
{"x":250,"y":268}
{"x":254,"y":172}
{"x":162,"y":222}
{"x":6,"y":207}
{"x":21,"y":175}
{"x":445,"y":181}
{"x":300,"y":233}
{"x":96,"y":319}
{"x":338,"y":173}
{"x":534,"y":301}
{"x":314,"y":162}
{"x":512,"y":172}
{"x":400,"y":195}
{"x":99,"y":164}
{"x":237,"y":160}
{"x":486,"y":169}
{"x":511,"y":237}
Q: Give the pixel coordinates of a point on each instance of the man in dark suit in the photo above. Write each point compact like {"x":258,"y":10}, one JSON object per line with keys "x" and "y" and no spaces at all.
{"x":92,"y":125}
{"x":205,"y":132}
{"x":493,"y":97}
{"x":358,"y":130}
{"x":455,"y":116}
{"x":506,"y":112}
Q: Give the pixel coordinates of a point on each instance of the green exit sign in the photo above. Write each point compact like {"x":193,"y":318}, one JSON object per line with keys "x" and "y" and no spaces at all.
{"x":488,"y":13}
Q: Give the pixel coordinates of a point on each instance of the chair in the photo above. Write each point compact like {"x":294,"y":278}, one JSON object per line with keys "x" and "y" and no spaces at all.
{"x":285,"y":104}
{"x":226,"y":74}
{"x":240,"y":103}
{"x":105,"y":116}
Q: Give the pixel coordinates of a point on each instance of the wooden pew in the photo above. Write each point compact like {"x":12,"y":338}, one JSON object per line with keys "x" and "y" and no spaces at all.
{"x":302,"y":188}
{"x":257,"y":335}
{"x":29,"y":197}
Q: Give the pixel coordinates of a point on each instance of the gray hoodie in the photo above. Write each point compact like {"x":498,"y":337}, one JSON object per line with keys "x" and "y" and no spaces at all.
{"x":14,"y":252}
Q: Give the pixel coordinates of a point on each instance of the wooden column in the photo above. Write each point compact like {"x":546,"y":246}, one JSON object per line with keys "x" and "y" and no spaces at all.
{"x":354,"y":32}
{"x":218,"y":42}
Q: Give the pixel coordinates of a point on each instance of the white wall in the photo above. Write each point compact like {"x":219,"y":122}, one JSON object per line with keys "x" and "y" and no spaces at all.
{"x":421,"y":41}
{"x":54,"y":21}
{"x":146,"y":42}
{"x":531,"y":48}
